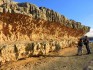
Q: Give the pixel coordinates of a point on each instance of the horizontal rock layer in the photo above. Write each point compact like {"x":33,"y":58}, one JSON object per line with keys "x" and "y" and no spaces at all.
{"x":18,"y":27}
{"x":40,"y":12}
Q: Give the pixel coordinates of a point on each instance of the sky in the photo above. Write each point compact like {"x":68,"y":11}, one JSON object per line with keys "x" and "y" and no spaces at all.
{"x":78,"y":10}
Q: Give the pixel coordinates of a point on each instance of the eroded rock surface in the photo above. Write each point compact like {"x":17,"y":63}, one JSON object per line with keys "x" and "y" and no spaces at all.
{"x":27,"y":30}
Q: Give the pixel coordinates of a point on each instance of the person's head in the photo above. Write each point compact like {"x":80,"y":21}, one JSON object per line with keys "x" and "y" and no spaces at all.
{"x":86,"y":36}
{"x":80,"y":39}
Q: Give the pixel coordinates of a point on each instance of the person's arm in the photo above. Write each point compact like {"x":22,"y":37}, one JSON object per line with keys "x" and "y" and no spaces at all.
{"x":87,"y":40}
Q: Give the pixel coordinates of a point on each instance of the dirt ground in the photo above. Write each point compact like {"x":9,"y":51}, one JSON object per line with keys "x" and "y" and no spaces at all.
{"x":65,"y":59}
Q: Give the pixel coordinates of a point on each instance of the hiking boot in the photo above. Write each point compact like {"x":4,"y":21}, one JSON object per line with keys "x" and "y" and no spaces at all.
{"x":78,"y":54}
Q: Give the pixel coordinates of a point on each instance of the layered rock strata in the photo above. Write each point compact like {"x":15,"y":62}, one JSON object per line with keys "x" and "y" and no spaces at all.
{"x":40,"y":13}
{"x":27,"y":30}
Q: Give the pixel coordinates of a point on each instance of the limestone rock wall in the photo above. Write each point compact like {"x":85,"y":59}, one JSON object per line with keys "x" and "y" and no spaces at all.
{"x":18,"y":27}
{"x":22,"y":36}
{"x":40,"y":13}
{"x":27,"y":30}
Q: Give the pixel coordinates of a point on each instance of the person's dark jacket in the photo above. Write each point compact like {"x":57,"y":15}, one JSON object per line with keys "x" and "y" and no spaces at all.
{"x":80,"y":43}
{"x":86,"y":41}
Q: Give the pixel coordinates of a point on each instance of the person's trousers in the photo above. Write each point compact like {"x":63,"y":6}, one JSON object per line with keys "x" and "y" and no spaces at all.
{"x":79,"y":50}
{"x":88,"y":49}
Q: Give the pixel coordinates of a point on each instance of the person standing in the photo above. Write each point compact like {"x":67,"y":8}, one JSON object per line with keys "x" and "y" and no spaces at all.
{"x":86,"y":43}
{"x":80,"y":44}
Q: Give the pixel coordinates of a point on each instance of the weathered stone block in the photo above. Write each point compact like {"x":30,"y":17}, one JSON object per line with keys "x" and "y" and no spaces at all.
{"x":9,"y":53}
{"x":27,"y":5}
{"x":5,"y":10}
{"x":1,"y":10}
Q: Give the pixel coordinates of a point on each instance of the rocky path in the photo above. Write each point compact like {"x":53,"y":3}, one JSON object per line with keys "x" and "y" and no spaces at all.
{"x":89,"y":66}
{"x":54,"y":62}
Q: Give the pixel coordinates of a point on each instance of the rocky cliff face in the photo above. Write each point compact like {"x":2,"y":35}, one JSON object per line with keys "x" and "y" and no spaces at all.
{"x":27,"y":30}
